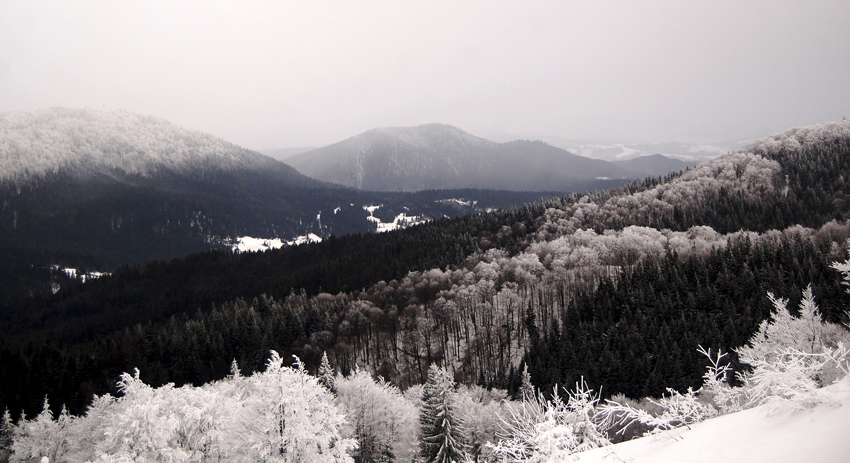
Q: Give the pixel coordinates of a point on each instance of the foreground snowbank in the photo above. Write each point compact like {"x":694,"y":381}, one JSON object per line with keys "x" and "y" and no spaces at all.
{"x":821,"y":434}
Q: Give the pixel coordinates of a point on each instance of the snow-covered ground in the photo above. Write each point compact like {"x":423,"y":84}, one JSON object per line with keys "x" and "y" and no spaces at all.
{"x":400,"y":221}
{"x":251,"y":244}
{"x":821,"y":435}
{"x":73,"y":273}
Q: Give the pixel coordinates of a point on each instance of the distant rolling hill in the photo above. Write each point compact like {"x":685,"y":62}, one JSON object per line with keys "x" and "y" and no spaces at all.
{"x":437,"y":156}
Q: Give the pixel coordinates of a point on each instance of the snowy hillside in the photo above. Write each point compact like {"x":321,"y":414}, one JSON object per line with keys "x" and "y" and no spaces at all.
{"x":44,"y":141}
{"x":750,"y":436}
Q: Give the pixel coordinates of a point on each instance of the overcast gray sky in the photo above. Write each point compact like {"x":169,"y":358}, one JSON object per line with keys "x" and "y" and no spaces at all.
{"x":274,"y":74}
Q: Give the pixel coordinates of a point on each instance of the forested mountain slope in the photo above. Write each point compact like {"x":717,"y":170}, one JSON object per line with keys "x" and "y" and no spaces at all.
{"x":97,"y":188}
{"x":618,"y":287}
{"x":437,"y":156}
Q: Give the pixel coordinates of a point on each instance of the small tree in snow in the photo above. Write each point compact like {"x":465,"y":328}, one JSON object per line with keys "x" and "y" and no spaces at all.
{"x":715,"y":386}
{"x":678,"y":409}
{"x":791,"y":378}
{"x":792,"y":354}
{"x":783,"y":330}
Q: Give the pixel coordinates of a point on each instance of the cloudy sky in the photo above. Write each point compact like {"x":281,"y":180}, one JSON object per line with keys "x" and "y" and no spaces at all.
{"x":279,"y":73}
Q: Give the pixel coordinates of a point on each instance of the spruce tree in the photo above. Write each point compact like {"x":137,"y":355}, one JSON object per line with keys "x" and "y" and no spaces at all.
{"x":442,"y":435}
{"x":326,"y":374}
{"x":5,"y":435}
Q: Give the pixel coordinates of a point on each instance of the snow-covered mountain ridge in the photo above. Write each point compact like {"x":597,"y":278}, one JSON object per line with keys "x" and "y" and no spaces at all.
{"x":81,"y":140}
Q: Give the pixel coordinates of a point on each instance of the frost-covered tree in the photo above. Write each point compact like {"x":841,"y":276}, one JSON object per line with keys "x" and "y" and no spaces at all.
{"x":479,"y":411}
{"x":784,"y":338}
{"x":542,"y":430}
{"x":676,"y":410}
{"x":791,"y":379}
{"x":715,"y":386}
{"x":42,"y":437}
{"x":783,"y":330}
{"x":442,"y":435}
{"x":379,"y":418}
{"x":793,"y":357}
{"x":289,"y":417}
{"x":279,"y":415}
{"x":143,"y":424}
{"x":89,"y":430}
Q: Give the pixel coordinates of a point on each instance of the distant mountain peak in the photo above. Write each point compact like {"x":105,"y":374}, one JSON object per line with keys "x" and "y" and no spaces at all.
{"x":427,"y":136}
{"x":440,"y":156}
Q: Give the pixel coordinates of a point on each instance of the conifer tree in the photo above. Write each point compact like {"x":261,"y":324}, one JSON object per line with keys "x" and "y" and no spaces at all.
{"x":442,"y":435}
{"x":527,"y":389}
{"x":326,"y":374}
{"x":5,"y":435}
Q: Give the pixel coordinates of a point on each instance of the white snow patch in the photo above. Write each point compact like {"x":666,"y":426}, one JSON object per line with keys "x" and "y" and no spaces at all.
{"x":303,"y":239}
{"x":754,"y":435}
{"x":251,"y":244}
{"x":72,"y":273}
{"x":401,"y":221}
